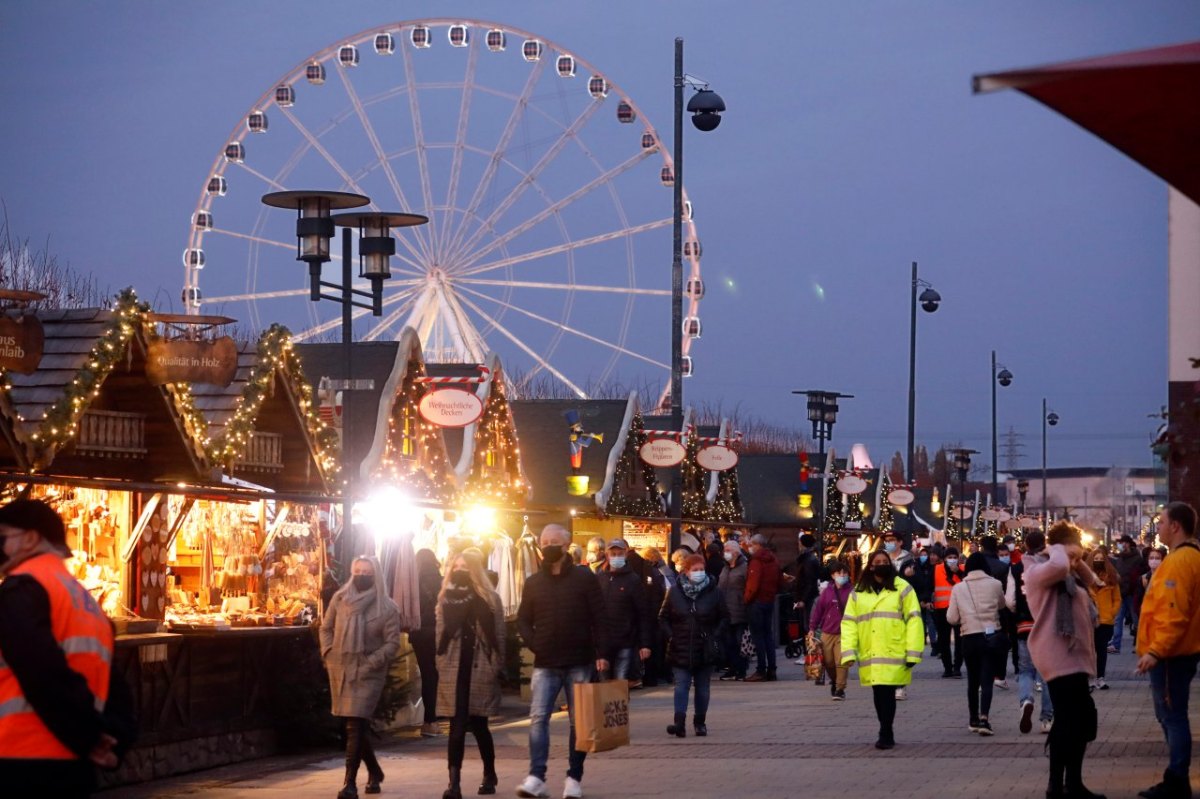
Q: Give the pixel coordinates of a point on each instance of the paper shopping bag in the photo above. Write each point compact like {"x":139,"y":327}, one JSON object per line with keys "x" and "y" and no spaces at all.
{"x":601,"y":715}
{"x":814,"y":662}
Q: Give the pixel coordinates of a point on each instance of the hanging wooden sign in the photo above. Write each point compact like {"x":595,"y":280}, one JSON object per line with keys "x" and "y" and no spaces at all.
{"x":662,"y":452}
{"x":21,"y":343}
{"x":851,"y":484}
{"x":716,"y":458}
{"x":995,"y":515}
{"x":185,"y":361}
{"x":450,"y":407}
{"x":900,"y":496}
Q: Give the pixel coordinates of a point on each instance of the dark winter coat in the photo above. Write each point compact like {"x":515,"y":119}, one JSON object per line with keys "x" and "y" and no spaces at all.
{"x":922,"y":581}
{"x":487,"y":662}
{"x":807,"y":570}
{"x":627,"y":616}
{"x":690,"y":623}
{"x":1131,"y":567}
{"x":733,"y":588}
{"x":561,"y":618}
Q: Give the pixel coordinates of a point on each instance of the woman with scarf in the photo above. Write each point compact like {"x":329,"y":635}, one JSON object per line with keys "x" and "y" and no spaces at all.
{"x":360,"y":636}
{"x":470,"y":664}
{"x":1062,"y":645}
{"x":693,"y":617}
{"x":882,"y":631}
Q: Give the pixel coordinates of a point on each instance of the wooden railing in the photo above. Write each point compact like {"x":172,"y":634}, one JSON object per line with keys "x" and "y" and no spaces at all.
{"x":263,"y":453}
{"x":111,"y":434}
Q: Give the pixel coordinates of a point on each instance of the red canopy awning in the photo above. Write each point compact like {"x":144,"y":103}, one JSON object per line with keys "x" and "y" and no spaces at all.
{"x":1145,"y":103}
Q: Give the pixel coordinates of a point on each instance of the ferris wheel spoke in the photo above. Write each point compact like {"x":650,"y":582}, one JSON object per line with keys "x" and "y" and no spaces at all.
{"x":542,"y":362}
{"x":568,"y":329}
{"x":273,"y":184}
{"x":547,"y":158}
{"x":554,"y":208}
{"x":460,"y":140}
{"x":528,"y":284}
{"x":260,"y":239}
{"x":369,"y":129}
{"x":357,"y":313}
{"x":560,"y":248}
{"x":414,"y":108}
{"x":382,"y":326}
{"x":510,"y":127}
{"x":262,"y":295}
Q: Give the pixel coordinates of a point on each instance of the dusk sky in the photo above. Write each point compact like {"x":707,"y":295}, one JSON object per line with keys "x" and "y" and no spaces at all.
{"x":852,"y":146}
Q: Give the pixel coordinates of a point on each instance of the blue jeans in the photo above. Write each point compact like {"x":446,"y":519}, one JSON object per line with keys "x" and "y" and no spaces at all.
{"x":545,"y":685}
{"x":760,"y":614}
{"x":622,"y":665}
{"x":930,"y":627}
{"x":702,"y":677}
{"x":1127,"y":612}
{"x":1026,"y":676}
{"x":1170,"y":684}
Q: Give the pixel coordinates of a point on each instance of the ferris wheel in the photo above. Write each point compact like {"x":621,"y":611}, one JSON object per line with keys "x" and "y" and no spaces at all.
{"x":547,"y":193}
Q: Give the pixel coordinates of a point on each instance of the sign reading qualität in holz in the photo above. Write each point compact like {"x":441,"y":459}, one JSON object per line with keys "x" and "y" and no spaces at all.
{"x":182,"y":361}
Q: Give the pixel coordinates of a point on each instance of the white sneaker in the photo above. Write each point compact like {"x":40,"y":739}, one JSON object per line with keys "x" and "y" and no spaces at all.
{"x":901,"y":694}
{"x":533,"y":788}
{"x":1001,"y":684}
{"x":1046,"y":725}
{"x":799,"y":662}
{"x":1101,"y":684}
{"x":572,"y":789}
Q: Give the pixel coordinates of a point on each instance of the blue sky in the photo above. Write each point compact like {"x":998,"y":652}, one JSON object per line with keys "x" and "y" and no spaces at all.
{"x":852,"y":146}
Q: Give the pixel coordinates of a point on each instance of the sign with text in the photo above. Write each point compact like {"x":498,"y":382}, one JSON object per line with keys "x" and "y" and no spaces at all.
{"x":21,"y":342}
{"x":716,"y":458}
{"x":851,"y":484}
{"x":901,"y":496}
{"x":451,"y":407}
{"x":182,"y":361}
{"x":662,"y":452}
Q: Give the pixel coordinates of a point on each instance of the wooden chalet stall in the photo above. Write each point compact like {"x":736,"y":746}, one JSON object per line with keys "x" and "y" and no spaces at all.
{"x":184,"y":561}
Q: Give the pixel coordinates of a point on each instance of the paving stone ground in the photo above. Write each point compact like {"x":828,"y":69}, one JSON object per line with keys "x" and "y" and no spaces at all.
{"x":777,"y":739}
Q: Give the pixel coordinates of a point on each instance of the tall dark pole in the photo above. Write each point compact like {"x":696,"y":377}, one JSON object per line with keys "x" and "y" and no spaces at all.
{"x":677,"y":300}
{"x":1045,"y":504}
{"x":995,"y":486}
{"x":912,"y":376}
{"x":824,"y":496}
{"x":347,"y":393}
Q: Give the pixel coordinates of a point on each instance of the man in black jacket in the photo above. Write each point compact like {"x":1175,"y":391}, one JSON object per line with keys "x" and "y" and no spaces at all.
{"x":927,"y":560}
{"x":627,"y":619}
{"x":561,"y":619}
{"x":807,"y":571}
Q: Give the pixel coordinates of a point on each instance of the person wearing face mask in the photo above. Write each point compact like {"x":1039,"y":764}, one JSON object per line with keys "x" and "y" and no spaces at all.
{"x":1008,"y":622}
{"x":762,"y":586}
{"x":922,"y":582}
{"x":627,"y":615}
{"x":63,"y":710}
{"x":732,"y":585}
{"x":595,"y":554}
{"x":561,"y":620}
{"x":1168,"y":644}
{"x":360,"y":635}
{"x":1063,"y":647}
{"x":827,"y":621}
{"x":1154,"y":558}
{"x":693,"y":616}
{"x":1106,"y":593}
{"x":945,"y":577}
{"x":902,"y":559}
{"x":975,"y":605}
{"x":1130,"y":567}
{"x":883,"y":634}
{"x":470,"y":660}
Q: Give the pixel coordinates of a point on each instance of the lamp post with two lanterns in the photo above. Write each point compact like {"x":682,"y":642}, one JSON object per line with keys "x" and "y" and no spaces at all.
{"x":315,"y":226}
{"x":822,"y":412}
{"x":962,"y":465}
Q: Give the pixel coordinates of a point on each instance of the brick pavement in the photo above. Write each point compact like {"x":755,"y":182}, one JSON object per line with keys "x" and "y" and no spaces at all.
{"x":765,"y":740}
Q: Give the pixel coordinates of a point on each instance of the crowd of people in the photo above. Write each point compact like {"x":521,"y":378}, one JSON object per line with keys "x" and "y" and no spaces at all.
{"x":1048,"y":606}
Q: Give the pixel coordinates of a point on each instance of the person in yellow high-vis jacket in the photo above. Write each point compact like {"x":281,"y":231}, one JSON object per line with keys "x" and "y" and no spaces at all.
{"x":883,"y":633}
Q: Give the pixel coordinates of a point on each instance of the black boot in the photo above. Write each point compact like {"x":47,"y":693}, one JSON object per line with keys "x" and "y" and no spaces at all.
{"x":374,"y":771}
{"x":679,"y":728}
{"x":353,"y":759}
{"x":455,"y":789}
{"x":490,"y":780}
{"x":699,"y":726}
{"x":771,"y":677}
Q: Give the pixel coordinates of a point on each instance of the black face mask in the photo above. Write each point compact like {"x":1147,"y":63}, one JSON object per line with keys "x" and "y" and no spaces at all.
{"x":884,"y":572}
{"x":363,"y":582}
{"x":461,"y":578}
{"x":552,"y":553}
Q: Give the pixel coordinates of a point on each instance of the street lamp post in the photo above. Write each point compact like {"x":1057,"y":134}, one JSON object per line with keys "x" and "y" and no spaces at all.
{"x":930,"y":300}
{"x":314,"y":230}
{"x":822,"y":412}
{"x":1004,"y":378}
{"x":962,"y":465}
{"x":706,"y":107}
{"x":1048,"y":418}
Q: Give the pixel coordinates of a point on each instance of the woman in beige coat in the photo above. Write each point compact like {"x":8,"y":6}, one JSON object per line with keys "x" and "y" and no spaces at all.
{"x":975,"y":605}
{"x":360,"y":636}
{"x":470,"y":663}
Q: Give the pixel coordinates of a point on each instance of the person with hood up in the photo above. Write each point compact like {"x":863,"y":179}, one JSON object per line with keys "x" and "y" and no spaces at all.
{"x":470,"y":659}
{"x":360,"y":635}
{"x":762,"y":586}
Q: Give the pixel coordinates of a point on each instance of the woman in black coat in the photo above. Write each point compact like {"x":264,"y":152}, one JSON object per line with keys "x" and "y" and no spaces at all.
{"x":429,"y":585}
{"x":693,"y":616}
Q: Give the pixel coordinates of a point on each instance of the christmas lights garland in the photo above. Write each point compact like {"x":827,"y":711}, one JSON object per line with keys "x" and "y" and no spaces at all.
{"x":645,"y":500}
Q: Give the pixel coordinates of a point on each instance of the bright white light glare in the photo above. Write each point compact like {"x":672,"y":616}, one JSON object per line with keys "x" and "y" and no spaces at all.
{"x":479,"y":519}
{"x":388,"y":511}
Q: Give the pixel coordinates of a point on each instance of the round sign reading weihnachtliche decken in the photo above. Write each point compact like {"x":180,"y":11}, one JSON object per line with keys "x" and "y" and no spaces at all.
{"x":851,"y":484}
{"x":662,"y":452}
{"x":716,"y":458}
{"x":450,"y":407}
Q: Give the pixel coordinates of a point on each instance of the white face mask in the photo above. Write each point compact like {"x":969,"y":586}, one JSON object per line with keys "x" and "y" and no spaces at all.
{"x":697,"y":577}
{"x":617,"y":561}
{"x":841,"y":579}
{"x":730,"y":556}
{"x":594,"y":557}
{"x":952,"y":563}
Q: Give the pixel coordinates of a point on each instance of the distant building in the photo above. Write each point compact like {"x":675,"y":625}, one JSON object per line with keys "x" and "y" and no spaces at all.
{"x":1110,"y":500}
